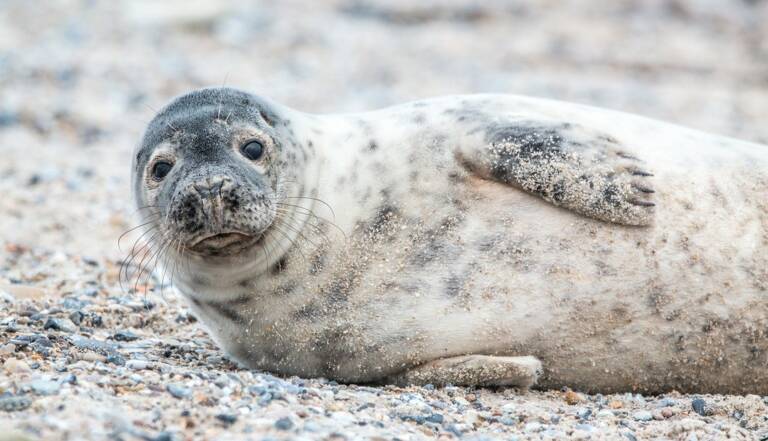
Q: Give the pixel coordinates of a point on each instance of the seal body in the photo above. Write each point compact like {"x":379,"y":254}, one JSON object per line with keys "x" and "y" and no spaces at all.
{"x":624,"y":253}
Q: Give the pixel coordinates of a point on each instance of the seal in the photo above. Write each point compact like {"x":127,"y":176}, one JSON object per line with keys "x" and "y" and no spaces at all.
{"x":473,"y":240}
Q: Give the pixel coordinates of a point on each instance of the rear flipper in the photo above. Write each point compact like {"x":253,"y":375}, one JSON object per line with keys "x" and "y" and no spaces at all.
{"x":474,"y":370}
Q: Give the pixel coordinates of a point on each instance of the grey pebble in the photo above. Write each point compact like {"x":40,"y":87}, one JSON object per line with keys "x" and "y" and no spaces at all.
{"x":69,"y":379}
{"x":137,"y":364}
{"x":584,"y":413}
{"x":45,"y":387}
{"x":284,"y":423}
{"x":81,"y":342}
{"x":629,"y":435}
{"x":226,"y":418}
{"x":585,"y":427}
{"x":77,"y":317}
{"x":58,"y":324}
{"x":116,"y":359}
{"x":700,"y":406}
{"x":666,"y":402}
{"x":14,"y":404}
{"x":435,"y":418}
{"x":124,"y":336}
{"x":179,"y":391}
{"x":642,"y":415}
{"x":74,"y":303}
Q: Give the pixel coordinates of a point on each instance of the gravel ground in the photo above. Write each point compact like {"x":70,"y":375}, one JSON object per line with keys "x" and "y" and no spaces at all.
{"x":83,"y":358}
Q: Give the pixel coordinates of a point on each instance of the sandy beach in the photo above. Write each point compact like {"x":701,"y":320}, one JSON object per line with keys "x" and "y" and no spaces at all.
{"x":82,"y":357}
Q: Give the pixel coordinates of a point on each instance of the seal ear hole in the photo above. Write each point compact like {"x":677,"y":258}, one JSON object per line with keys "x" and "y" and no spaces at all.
{"x":253,"y":150}
{"x":160,"y":170}
{"x":267,"y":119}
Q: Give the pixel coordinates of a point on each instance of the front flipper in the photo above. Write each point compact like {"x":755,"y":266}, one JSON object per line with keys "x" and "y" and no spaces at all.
{"x":568,"y":165}
{"x":474,"y":370}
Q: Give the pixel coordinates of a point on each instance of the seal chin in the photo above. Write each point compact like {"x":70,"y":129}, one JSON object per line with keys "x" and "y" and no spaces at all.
{"x":226,"y":243}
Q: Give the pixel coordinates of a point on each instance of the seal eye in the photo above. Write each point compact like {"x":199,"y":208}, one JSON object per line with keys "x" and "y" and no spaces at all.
{"x":161,"y":169}
{"x":252,"y":150}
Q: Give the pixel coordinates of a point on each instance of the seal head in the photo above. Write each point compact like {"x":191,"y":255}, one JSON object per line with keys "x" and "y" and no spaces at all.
{"x":206,"y":174}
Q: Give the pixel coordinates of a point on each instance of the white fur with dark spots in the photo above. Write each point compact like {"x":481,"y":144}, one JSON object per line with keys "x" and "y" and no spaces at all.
{"x":626,"y":254}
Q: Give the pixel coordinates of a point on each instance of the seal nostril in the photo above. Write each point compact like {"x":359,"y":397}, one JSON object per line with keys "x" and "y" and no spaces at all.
{"x":210,"y":189}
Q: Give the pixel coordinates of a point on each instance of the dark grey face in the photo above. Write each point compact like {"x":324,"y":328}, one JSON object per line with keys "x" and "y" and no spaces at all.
{"x":207,"y":172}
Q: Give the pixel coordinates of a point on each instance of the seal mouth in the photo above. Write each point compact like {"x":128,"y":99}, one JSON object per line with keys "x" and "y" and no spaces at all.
{"x":224,"y":243}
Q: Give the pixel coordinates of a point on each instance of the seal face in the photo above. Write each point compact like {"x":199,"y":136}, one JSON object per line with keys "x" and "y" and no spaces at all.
{"x":209,"y":166}
{"x":471,"y":240}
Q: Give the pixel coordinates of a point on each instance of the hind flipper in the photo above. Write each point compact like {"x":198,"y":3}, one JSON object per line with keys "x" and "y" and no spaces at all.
{"x":474,"y":370}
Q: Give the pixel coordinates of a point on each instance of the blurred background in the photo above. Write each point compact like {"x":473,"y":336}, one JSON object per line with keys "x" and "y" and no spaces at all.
{"x":79,"y":79}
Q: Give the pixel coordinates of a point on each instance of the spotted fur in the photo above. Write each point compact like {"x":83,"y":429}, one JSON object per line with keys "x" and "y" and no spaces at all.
{"x":411,"y":242}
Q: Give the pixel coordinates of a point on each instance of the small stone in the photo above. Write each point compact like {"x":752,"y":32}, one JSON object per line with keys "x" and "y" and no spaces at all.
{"x":700,"y":406}
{"x":81,"y":342}
{"x":629,"y":435}
{"x":642,"y":415}
{"x":435,"y":418}
{"x":115,"y":359}
{"x":666,"y":402}
{"x":14,"y":404}
{"x":572,"y":397}
{"x":73,"y":303}
{"x":584,"y":413}
{"x":616,"y":404}
{"x":605,"y":413}
{"x":77,"y":317}
{"x":137,"y":364}
{"x":226,"y":418}
{"x":45,"y":387}
{"x":507,"y":421}
{"x":179,"y":391}
{"x":7,"y":349}
{"x":162,"y":436}
{"x":69,"y":379}
{"x":284,"y":423}
{"x":508,"y":408}
{"x":12,"y":326}
{"x":585,"y":427}
{"x":533,"y":427}
{"x":16,"y":366}
{"x":667,"y":412}
{"x":124,"y":336}
{"x":59,"y":324}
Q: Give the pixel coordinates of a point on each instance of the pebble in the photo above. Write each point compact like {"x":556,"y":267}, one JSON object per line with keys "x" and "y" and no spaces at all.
{"x":60,"y":324}
{"x":14,"y":404}
{"x":115,"y":359}
{"x":77,"y":317}
{"x":642,"y":415}
{"x":226,"y":418}
{"x":179,"y":391}
{"x":45,"y":387}
{"x":16,"y":366}
{"x":137,"y":364}
{"x":605,"y":413}
{"x":700,"y":406}
{"x":7,"y":349}
{"x":572,"y":397}
{"x":284,"y":423}
{"x":583,"y":413}
{"x":435,"y":418}
{"x":124,"y":336}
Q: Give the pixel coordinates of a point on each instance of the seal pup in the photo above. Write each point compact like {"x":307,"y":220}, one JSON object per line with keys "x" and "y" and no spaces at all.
{"x":469,"y":240}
